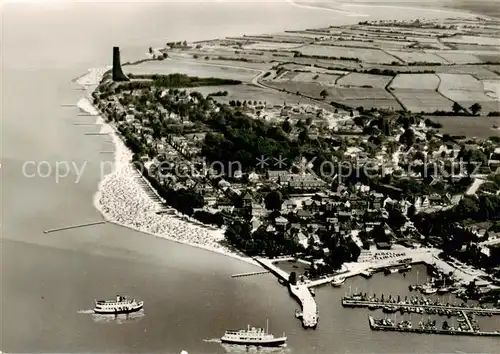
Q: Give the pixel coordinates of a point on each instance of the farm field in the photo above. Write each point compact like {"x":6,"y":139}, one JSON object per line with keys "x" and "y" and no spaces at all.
{"x":479,"y":72}
{"x":270,"y":45}
{"x":287,"y":75}
{"x":458,"y":58}
{"x":481,"y":40}
{"x":417,"y":57}
{"x":191,"y":68}
{"x":354,"y":93}
{"x":374,"y":103}
{"x":313,"y":69}
{"x":415,"y":81}
{"x":481,"y":127}
{"x":363,"y":54}
{"x":466,"y":90}
{"x":475,"y":47}
{"x":427,"y":101}
{"x":313,"y":77}
{"x":357,"y":79}
{"x":371,"y":43}
{"x":492,"y":88}
{"x":310,"y":89}
{"x":461,"y":82}
{"x":249,"y":93}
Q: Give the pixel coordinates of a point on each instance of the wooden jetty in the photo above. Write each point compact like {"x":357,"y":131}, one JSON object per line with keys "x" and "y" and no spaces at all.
{"x":249,"y":274}
{"x":73,"y":227}
{"x":378,"y":327}
{"x":347,"y":302}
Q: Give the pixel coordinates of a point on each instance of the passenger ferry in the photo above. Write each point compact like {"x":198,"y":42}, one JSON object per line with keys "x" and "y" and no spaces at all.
{"x":122,"y":304}
{"x":253,"y":336}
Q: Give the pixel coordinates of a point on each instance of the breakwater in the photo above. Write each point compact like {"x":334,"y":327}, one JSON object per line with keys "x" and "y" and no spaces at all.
{"x":300,"y":292}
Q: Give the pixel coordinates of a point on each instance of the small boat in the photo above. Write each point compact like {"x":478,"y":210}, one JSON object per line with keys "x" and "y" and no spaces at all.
{"x":405,"y":268}
{"x":253,"y":336}
{"x":373,"y":307}
{"x":443,"y":290}
{"x":313,"y":293}
{"x":298,"y":314}
{"x":338,"y":281}
{"x":122,"y":304}
{"x":390,"y":309}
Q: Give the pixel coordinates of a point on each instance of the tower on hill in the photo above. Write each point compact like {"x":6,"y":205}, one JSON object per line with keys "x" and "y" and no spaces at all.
{"x":118,"y":74}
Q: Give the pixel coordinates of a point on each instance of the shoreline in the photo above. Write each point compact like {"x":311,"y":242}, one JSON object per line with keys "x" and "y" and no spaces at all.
{"x":119,"y":194}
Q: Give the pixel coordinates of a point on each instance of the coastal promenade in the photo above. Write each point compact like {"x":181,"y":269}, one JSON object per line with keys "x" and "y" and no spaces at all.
{"x":299,"y":291}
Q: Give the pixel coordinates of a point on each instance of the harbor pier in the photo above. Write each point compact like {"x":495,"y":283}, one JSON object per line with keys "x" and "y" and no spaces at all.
{"x":299,"y":291}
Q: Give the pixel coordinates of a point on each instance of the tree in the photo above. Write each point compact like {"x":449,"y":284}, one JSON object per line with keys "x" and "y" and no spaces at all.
{"x":303,"y":135}
{"x":456,"y":108}
{"x":475,"y":108}
{"x":286,"y":126}
{"x":323,"y":94}
{"x":273,"y":200}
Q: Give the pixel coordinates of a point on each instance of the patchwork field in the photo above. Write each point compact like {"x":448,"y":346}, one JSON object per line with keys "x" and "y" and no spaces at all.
{"x":481,"y":127}
{"x":415,"y":81}
{"x":357,"y":79}
{"x":363,"y":54}
{"x":192,"y":68}
{"x":417,"y":57}
{"x":353,"y":97}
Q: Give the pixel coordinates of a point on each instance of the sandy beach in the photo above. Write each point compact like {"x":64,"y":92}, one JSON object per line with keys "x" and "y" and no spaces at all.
{"x":122,"y":200}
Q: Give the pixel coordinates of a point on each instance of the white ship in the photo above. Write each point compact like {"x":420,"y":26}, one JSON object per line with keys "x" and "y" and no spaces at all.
{"x":122,"y":304}
{"x":253,"y":336}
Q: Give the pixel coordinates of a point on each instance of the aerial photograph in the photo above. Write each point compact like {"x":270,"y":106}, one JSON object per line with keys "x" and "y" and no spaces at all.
{"x":250,"y":176}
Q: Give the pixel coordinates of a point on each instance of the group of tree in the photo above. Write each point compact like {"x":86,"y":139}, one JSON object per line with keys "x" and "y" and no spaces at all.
{"x":475,"y":108}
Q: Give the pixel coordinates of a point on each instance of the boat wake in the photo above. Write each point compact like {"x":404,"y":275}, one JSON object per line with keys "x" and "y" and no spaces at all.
{"x":213,"y":340}
{"x":118,"y":319}
{"x":236,"y":349}
{"x":85,"y":312}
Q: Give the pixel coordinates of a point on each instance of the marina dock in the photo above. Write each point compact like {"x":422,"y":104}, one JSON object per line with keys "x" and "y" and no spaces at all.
{"x":299,"y":291}
{"x":397,"y":328}
{"x":409,"y":307}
